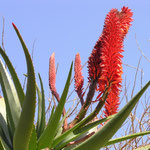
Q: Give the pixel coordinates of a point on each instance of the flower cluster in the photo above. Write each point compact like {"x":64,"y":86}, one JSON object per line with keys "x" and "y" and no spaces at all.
{"x":52,"y":73}
{"x":78,"y":76}
{"x":104,"y":64}
{"x":105,"y":61}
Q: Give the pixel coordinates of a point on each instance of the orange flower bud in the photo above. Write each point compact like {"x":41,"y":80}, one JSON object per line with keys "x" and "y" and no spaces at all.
{"x":52,"y":73}
{"x":78,"y":75}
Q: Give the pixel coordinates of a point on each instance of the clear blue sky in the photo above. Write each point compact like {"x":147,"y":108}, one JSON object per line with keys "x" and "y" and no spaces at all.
{"x":67,"y":27}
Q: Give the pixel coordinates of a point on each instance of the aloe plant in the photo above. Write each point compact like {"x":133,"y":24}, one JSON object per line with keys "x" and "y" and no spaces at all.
{"x":17,"y":109}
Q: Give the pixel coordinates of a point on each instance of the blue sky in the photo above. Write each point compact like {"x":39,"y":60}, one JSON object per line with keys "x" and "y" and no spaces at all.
{"x":67,"y":27}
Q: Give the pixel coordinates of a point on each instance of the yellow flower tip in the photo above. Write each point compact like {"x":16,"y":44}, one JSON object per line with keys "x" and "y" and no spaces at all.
{"x":53,"y":55}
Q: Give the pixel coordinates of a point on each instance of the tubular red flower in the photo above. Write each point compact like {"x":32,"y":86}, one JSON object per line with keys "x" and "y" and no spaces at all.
{"x":105,"y":61}
{"x":125,"y":16}
{"x":78,"y":75}
{"x":52,"y":73}
{"x":94,"y":62}
{"x":111,"y":105}
{"x":111,"y":65}
{"x":115,"y":28}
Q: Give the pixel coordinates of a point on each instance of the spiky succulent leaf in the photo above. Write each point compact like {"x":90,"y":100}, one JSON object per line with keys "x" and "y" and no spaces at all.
{"x":41,"y":109}
{"x":80,"y":132}
{"x":33,"y":140}
{"x":3,"y":145}
{"x":127,"y":137}
{"x":12,"y":102}
{"x":14,"y":76}
{"x":25,"y":125}
{"x":3,"y":123}
{"x":60,"y":128}
{"x":99,"y":139}
{"x":47,"y":137}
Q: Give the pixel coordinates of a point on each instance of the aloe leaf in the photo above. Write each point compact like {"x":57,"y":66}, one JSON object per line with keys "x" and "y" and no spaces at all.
{"x":60,"y":129}
{"x":92,"y":125}
{"x":3,"y":122}
{"x":33,"y":140}
{"x":3,"y":145}
{"x":4,"y":139}
{"x":26,"y":121}
{"x":99,"y":139}
{"x":52,"y":113}
{"x":147,"y":147}
{"x":78,"y":139}
{"x":14,"y":76}
{"x":47,"y":137}
{"x":75,"y":137}
{"x":127,"y":137}
{"x":66,"y":134}
{"x":41,"y":109}
{"x":13,"y":106}
{"x":80,"y":132}
{"x":69,"y":133}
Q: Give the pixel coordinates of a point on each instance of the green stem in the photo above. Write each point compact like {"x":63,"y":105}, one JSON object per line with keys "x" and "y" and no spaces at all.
{"x":98,"y":108}
{"x":86,"y":105}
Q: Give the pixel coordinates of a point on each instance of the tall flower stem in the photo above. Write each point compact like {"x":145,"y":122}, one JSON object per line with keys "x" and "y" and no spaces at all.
{"x":52,"y":81}
{"x":86,"y":105}
{"x":98,"y":107}
{"x":78,"y":78}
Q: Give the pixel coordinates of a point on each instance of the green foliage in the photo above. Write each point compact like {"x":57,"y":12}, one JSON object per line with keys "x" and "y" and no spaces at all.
{"x":3,"y":123}
{"x":127,"y":137}
{"x":33,"y":140}
{"x":76,"y":132}
{"x":26,"y":120}
{"x":99,"y":140}
{"x":14,"y":76}
{"x":1,"y":145}
{"x":48,"y":135}
{"x":41,"y":109}
{"x":13,"y":107}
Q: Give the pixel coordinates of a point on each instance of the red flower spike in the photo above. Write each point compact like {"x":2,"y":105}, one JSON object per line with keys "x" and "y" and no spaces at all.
{"x":111,"y":48}
{"x":125,"y":19}
{"x":115,"y":29}
{"x":111,"y":105}
{"x":78,"y":76}
{"x":105,"y":61}
{"x":94,"y":61}
{"x":111,"y":65}
{"x":52,"y":73}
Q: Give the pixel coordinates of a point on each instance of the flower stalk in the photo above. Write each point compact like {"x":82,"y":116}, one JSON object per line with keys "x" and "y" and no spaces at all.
{"x":52,"y":81}
{"x":78,"y":78}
